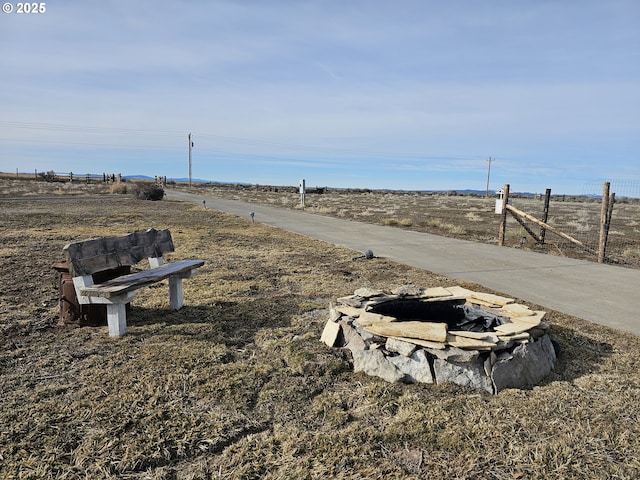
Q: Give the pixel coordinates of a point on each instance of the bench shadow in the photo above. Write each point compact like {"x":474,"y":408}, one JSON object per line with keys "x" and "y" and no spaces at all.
{"x":235,"y":323}
{"x":230,"y":322}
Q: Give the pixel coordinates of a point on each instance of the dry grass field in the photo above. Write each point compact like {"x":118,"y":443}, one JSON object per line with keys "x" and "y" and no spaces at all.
{"x":237,"y":385}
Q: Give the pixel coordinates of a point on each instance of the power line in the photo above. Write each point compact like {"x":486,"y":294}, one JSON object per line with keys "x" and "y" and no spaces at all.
{"x":89,"y":144}
{"x":83,"y":128}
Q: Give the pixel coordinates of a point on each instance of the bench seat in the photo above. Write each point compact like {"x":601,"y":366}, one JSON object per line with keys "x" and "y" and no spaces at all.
{"x":127,"y":283}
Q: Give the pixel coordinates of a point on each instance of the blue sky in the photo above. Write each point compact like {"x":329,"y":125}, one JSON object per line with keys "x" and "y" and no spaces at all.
{"x":381,"y":94}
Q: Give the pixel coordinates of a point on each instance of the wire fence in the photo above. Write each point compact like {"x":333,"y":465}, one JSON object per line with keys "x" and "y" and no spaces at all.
{"x":580,"y":217}
{"x":52,"y":176}
{"x":623,"y":238}
{"x":74,"y":177}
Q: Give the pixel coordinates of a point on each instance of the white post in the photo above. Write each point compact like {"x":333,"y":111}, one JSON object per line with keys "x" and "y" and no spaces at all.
{"x":155,"y":262}
{"x":175,"y":292}
{"x":499,"y":201}
{"x":190,"y":147}
{"x":117,"y":319}
{"x":302,"y":193}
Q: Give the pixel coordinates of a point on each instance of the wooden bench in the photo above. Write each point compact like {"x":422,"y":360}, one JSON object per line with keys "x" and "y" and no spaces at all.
{"x":89,"y":257}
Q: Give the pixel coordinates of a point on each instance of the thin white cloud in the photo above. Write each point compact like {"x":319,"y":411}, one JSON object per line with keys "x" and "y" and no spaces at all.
{"x":533,"y":81}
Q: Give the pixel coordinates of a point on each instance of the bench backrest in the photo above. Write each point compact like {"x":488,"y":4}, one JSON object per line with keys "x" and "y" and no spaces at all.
{"x":107,"y":253}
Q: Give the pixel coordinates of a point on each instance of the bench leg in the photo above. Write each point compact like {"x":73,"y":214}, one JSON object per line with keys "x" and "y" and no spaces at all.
{"x":175,"y":292}
{"x":117,"y":319}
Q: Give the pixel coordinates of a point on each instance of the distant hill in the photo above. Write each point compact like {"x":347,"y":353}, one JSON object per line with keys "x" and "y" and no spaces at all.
{"x":137,"y":177}
{"x":148,"y":178}
{"x":193,"y":180}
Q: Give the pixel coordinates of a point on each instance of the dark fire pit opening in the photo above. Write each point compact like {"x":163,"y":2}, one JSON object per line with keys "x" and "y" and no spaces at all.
{"x":456,"y":316}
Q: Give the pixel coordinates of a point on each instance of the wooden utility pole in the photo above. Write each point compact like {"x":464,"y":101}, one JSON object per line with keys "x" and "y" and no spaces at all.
{"x":488,"y":176}
{"x":190,"y":147}
{"x":545,"y":214}
{"x":605,"y":220}
{"x":503,"y":219}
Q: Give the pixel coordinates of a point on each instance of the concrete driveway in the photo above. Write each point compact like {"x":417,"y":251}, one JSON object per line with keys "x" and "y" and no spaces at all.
{"x":602,"y":294}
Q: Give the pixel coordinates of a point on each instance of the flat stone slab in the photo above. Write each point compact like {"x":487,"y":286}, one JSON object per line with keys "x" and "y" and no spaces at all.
{"x":436,"y":332}
{"x":330,"y":333}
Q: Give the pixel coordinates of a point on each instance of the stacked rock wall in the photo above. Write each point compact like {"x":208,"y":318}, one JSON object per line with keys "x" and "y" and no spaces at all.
{"x":442,"y":335}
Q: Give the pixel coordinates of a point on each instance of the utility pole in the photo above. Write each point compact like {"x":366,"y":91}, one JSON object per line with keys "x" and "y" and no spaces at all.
{"x":190,"y":147}
{"x":489,"y":175}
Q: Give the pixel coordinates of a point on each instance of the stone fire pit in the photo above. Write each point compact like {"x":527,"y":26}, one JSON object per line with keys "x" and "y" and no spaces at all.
{"x":439,"y":335}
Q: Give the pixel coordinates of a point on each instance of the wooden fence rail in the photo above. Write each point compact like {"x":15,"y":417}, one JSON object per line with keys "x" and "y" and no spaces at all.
{"x":608,"y":201}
